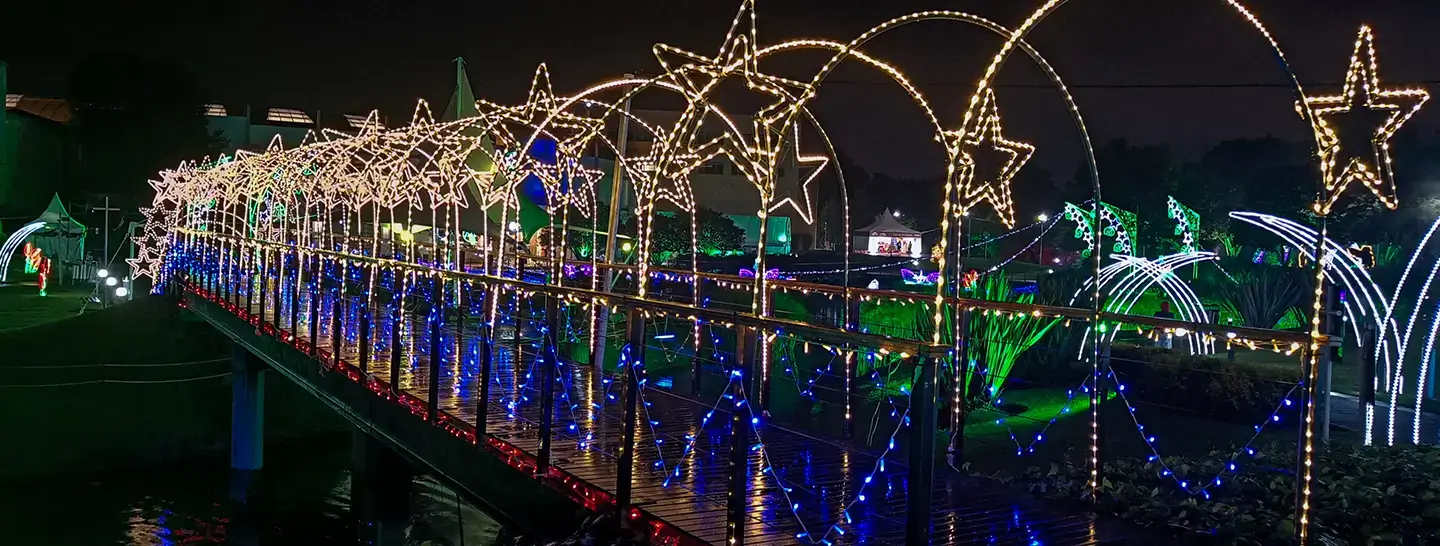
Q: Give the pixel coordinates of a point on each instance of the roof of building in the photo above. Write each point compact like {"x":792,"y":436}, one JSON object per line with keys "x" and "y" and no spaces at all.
{"x":887,"y":224}
{"x":56,"y":110}
{"x":290,"y":117}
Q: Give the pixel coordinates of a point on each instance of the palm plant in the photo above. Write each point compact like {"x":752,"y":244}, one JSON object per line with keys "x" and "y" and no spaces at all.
{"x":998,"y":339}
{"x":1263,"y":296}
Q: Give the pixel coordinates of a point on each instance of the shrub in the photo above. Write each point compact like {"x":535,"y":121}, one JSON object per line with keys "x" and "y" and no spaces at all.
{"x":1263,"y":296}
{"x":1363,"y":495}
{"x":1212,"y":386}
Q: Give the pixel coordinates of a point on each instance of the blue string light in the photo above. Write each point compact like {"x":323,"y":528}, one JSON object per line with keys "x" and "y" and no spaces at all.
{"x":1040,"y":436}
{"x":1227,"y":467}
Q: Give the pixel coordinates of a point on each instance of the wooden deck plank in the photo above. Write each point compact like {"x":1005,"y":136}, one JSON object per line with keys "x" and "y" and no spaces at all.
{"x":821,"y":476}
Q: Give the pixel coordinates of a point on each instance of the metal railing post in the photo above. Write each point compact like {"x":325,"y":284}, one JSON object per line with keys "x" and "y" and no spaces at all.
{"x":922,"y":453}
{"x":337,"y":326}
{"x":313,"y":317}
{"x":487,"y":337}
{"x":740,"y":415}
{"x":262,"y":269}
{"x":632,"y":357}
{"x":397,"y":318}
{"x":295,"y":295}
{"x":437,"y":303}
{"x":365,"y":317}
{"x":547,"y":384}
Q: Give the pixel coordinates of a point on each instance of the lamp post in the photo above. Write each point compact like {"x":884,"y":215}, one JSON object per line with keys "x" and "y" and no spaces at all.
{"x":107,"y":209}
{"x":103,"y":276}
{"x":969,"y":237}
{"x":1042,"y":218}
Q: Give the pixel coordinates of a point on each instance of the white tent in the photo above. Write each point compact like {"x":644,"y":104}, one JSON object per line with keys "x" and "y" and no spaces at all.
{"x":62,"y":239}
{"x":55,"y":233}
{"x":887,"y":237}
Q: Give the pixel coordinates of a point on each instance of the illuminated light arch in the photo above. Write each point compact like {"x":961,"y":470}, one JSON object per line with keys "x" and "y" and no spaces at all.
{"x":12,"y":243}
{"x":1370,"y":304}
{"x":348,"y":187}
{"x":1126,"y":280}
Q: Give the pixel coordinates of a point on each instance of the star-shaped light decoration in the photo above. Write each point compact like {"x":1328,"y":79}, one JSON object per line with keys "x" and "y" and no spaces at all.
{"x":810,"y":167}
{"x":540,"y":116}
{"x":697,"y":76}
{"x":149,"y":247}
{"x":1353,"y":129}
{"x":992,"y":187}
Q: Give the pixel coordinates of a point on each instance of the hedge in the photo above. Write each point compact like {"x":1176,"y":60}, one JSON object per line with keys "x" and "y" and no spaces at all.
{"x":1215,"y":387}
{"x":1362,"y":495}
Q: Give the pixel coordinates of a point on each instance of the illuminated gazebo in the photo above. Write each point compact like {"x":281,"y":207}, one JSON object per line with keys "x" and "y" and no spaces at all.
{"x":887,"y":237}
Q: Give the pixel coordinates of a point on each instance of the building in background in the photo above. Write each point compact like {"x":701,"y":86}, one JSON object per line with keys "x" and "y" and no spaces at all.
{"x":37,"y":151}
{"x":253,"y":129}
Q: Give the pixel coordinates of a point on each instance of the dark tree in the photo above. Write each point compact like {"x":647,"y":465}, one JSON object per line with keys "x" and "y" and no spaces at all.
{"x":715,"y":234}
{"x":1136,"y":179}
{"x":133,"y":118}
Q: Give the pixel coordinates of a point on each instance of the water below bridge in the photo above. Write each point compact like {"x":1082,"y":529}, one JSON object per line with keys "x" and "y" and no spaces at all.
{"x":307,"y":502}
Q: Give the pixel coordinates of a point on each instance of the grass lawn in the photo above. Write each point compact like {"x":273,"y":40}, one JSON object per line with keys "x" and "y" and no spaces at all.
{"x":1345,"y":374}
{"x":21,"y":305}
{"x":62,"y":412}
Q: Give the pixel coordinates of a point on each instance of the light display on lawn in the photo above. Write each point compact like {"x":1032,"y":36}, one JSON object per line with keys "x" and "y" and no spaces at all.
{"x":1127,"y":281}
{"x":1187,"y":224}
{"x":1113,"y":222}
{"x":337,"y":190}
{"x":38,"y":264}
{"x":33,"y":255}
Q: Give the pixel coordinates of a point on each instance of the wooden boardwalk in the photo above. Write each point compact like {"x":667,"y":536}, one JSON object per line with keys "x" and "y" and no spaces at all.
{"x":803,"y":489}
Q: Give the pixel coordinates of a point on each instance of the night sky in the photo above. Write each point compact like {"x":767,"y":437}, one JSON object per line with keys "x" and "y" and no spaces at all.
{"x":361,"y":55}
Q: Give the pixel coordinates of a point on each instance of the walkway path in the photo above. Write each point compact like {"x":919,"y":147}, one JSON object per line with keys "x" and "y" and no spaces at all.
{"x":803,"y":488}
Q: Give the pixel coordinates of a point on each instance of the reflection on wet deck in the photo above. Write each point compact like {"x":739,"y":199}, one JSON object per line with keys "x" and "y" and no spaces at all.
{"x":802,"y":488}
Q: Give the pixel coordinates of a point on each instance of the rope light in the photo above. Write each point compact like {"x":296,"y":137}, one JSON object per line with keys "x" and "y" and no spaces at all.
{"x":331,"y":185}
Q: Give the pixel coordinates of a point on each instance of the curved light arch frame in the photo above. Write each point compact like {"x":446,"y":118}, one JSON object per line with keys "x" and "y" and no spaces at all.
{"x":1014,"y":39}
{"x":7,"y":251}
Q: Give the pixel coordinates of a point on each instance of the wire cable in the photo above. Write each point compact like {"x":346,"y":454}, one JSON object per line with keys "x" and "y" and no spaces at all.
{"x":71,"y":366}
{"x":118,"y":381}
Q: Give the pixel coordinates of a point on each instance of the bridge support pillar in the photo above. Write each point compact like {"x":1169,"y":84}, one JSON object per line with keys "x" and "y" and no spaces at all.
{"x":379,"y":491}
{"x":247,"y":423}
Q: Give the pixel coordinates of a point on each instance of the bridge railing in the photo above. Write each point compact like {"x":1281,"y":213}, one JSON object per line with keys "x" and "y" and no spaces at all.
{"x":735,"y":355}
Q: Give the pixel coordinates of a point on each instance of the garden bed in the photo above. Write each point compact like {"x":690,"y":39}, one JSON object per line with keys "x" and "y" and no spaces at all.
{"x":1214,"y":387}
{"x":1363,"y":495}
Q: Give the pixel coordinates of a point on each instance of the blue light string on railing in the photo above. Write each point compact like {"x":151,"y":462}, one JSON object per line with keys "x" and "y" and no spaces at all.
{"x":1228,"y":466}
{"x":795,"y":507}
{"x":691,"y":439}
{"x":1040,"y":436}
{"x":560,"y":377}
{"x":808,"y":391}
{"x":902,"y":421}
